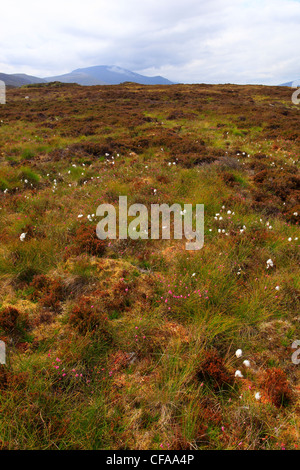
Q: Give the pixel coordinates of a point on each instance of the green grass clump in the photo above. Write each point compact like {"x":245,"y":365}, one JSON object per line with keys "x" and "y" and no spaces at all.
{"x":28,"y":174}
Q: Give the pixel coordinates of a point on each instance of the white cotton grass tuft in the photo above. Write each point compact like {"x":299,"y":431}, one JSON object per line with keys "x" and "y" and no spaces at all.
{"x":246,"y":363}
{"x":238,"y":374}
{"x":270,"y":263}
{"x":257,"y":396}
{"x":22,"y":236}
{"x":238,"y":353}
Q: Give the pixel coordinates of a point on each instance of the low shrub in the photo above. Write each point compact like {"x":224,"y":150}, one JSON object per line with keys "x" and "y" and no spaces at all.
{"x":13,"y":322}
{"x":86,"y":241}
{"x":86,"y":317}
{"x":277,"y":387}
{"x":214,"y":371}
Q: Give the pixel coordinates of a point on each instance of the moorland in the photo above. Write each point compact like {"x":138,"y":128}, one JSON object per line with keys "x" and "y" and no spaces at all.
{"x":132,"y":344}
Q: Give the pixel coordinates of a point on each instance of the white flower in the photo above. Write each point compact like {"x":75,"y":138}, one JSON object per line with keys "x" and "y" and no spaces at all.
{"x":238,"y":353}
{"x":277,"y":287}
{"x":22,"y":236}
{"x":257,"y":396}
{"x":289,"y":239}
{"x":228,"y":212}
{"x":270,"y":263}
{"x":246,"y":363}
{"x":238,"y":374}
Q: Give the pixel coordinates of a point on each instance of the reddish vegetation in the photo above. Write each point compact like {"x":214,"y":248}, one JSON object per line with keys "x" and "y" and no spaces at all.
{"x":3,"y":377}
{"x":85,"y":317}
{"x":86,"y":241}
{"x":276,"y":385}
{"x":43,"y":317}
{"x":12,"y":321}
{"x":117,"y":297}
{"x":213,"y":370}
{"x":49,"y":292}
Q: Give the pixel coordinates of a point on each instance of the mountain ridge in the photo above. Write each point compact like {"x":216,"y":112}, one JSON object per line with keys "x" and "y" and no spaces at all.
{"x":88,"y":76}
{"x":20,"y":79}
{"x":108,"y":75}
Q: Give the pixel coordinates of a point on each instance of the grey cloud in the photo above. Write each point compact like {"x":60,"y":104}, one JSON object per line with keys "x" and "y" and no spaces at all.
{"x":188,"y":41}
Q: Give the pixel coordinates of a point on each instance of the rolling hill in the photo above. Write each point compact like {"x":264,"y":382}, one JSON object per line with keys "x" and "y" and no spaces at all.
{"x":19,"y":79}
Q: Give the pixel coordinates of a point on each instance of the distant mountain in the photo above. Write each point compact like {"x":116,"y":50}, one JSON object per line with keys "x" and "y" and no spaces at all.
{"x":107,"y":75}
{"x":19,"y":79}
{"x":81,"y":78}
{"x":295,"y":83}
{"x":97,"y":75}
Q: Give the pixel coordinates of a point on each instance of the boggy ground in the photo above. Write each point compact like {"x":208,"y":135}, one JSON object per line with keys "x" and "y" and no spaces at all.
{"x":131,"y":344}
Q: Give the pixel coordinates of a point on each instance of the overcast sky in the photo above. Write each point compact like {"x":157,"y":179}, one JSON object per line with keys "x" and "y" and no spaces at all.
{"x":187,"y":41}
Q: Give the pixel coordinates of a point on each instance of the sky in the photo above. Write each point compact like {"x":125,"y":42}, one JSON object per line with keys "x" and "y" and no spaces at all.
{"x":186,"y":41}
